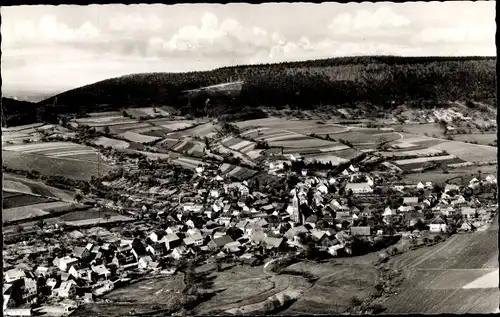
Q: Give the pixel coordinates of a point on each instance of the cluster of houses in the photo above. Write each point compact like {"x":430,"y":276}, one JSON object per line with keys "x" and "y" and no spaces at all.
{"x":216,"y":217}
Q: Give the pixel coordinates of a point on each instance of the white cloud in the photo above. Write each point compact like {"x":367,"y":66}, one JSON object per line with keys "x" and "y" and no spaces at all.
{"x":366,"y":21}
{"x":214,"y":37}
{"x":134,"y":22}
{"x":46,"y":30}
{"x":462,"y":33}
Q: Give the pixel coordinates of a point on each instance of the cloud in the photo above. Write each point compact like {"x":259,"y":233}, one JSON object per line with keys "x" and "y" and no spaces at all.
{"x":366,"y":21}
{"x":463,"y":33}
{"x":134,"y":22}
{"x":46,"y":29}
{"x":212,"y":37}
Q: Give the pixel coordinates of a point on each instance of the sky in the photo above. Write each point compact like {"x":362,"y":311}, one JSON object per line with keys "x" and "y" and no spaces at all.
{"x":49,"y":49}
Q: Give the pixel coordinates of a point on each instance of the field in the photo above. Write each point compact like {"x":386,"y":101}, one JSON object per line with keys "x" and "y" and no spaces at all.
{"x":27,"y":212}
{"x":21,"y":200}
{"x":92,"y":216}
{"x":438,"y":176}
{"x":172,"y":125}
{"x":450,"y":277}
{"x":64,"y":150}
{"x":112,"y":143}
{"x":469,"y":152}
{"x":430,"y":129}
{"x":484,"y":139}
{"x":78,"y":169}
{"x":236,"y":171}
{"x":337,"y":284}
{"x":150,"y":112}
{"x":160,"y":290}
{"x":410,"y":164}
{"x":208,"y":130}
{"x":18,"y":183}
{"x":138,"y":138}
{"x":104,"y":121}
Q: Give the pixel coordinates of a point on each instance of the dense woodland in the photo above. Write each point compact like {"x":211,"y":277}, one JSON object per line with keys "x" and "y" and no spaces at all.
{"x":382,"y":81}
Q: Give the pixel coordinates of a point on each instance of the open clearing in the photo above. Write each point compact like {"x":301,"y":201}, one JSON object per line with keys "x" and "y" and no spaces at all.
{"x":449,"y":277}
{"x":36,"y":210}
{"x":469,"y":152}
{"x":72,"y":168}
{"x":21,"y":200}
{"x":55,"y":150}
{"x":438,"y":176}
{"x":112,"y":143}
{"x":160,"y":290}
{"x":92,"y":216}
{"x":18,"y":183}
{"x":484,"y":139}
{"x":138,"y":138}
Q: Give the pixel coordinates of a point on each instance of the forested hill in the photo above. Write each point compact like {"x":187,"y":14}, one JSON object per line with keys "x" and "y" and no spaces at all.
{"x":16,"y":112}
{"x":336,"y":81}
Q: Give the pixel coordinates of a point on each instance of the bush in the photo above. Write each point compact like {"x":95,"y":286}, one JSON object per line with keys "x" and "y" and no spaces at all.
{"x":355,"y":301}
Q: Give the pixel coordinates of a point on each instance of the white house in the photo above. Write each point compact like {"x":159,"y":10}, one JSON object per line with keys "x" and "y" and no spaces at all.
{"x":491,"y":179}
{"x":14,"y":275}
{"x":214,"y":193}
{"x":65,"y":263}
{"x":420,"y":185}
{"x":358,"y":188}
{"x":67,"y":289}
{"x":437,"y":225}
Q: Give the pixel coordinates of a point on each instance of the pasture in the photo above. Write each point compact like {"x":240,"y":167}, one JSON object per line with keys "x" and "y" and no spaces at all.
{"x":27,"y":212}
{"x":20,"y":200}
{"x":428,"y":129}
{"x":160,"y":290}
{"x":63,"y":150}
{"x":92,"y":216}
{"x":78,"y":169}
{"x":172,"y":125}
{"x":484,"y":139}
{"x":18,"y":183}
{"x":138,"y":138}
{"x":208,"y":130}
{"x":446,"y":277}
{"x":112,"y":143}
{"x":420,"y":162}
{"x":437,"y":176}
{"x":150,"y":112}
{"x":469,"y":152}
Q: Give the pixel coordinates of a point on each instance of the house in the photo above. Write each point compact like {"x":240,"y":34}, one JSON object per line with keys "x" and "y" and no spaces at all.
{"x":294,"y":231}
{"x":214,"y":193}
{"x":311,"y":220}
{"x":64,"y":263}
{"x":420,"y":185}
{"x":491,"y":179}
{"x":361,"y":231}
{"x":388,"y":212}
{"x":428,"y":185}
{"x":42,"y":271}
{"x":30,"y":289}
{"x":174,"y":229}
{"x":220,"y":242}
{"x":14,"y":275}
{"x":468,"y":212}
{"x":318,"y":235}
{"x":83,"y":273}
{"x":450,"y":187}
{"x":274,"y":243}
{"x":225,"y":219}
{"x":359,"y":188}
{"x":81,"y":253}
{"x":155,"y":236}
{"x":404,"y":208}
{"x":257,"y":237}
{"x":157,"y":249}
{"x":342,"y":214}
{"x":409,"y":201}
{"x":19,"y":311}
{"x":67,"y":289}
{"x":171,"y":241}
{"x":101,"y":271}
{"x":232,"y":247}
{"x":146,"y":262}
{"x":197,"y":238}
{"x":437,"y":225}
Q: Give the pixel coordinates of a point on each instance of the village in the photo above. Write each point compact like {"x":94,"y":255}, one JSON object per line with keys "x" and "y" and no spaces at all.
{"x":202,"y":217}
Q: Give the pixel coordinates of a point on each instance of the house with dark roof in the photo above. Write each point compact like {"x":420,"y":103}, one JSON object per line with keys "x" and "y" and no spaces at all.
{"x":361,"y":231}
{"x":220,"y":242}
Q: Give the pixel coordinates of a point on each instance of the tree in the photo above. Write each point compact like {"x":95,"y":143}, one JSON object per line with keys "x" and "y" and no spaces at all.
{"x":41,"y":223}
{"x":19,"y":229}
{"x":78,"y":197}
{"x":107,"y":217}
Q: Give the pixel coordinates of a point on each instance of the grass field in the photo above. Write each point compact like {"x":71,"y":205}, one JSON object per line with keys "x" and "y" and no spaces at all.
{"x":337,"y":285}
{"x":444,"y":278}
{"x":161,"y":290}
{"x":138,"y":138}
{"x":438,"y":176}
{"x":92,"y":216}
{"x":21,"y":200}
{"x":484,"y":139}
{"x":27,"y":212}
{"x":430,"y":129}
{"x":113,"y":143}
{"x":72,"y":168}
{"x":410,"y":164}
{"x":469,"y":152}
{"x":172,"y":125}
{"x":55,"y":150}
{"x":29,"y":186}
{"x":150,"y":112}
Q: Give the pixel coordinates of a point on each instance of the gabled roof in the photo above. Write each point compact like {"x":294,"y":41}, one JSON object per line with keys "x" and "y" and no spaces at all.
{"x":438,"y":221}
{"x":79,"y":251}
{"x":273,"y":242}
{"x":222,"y":241}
